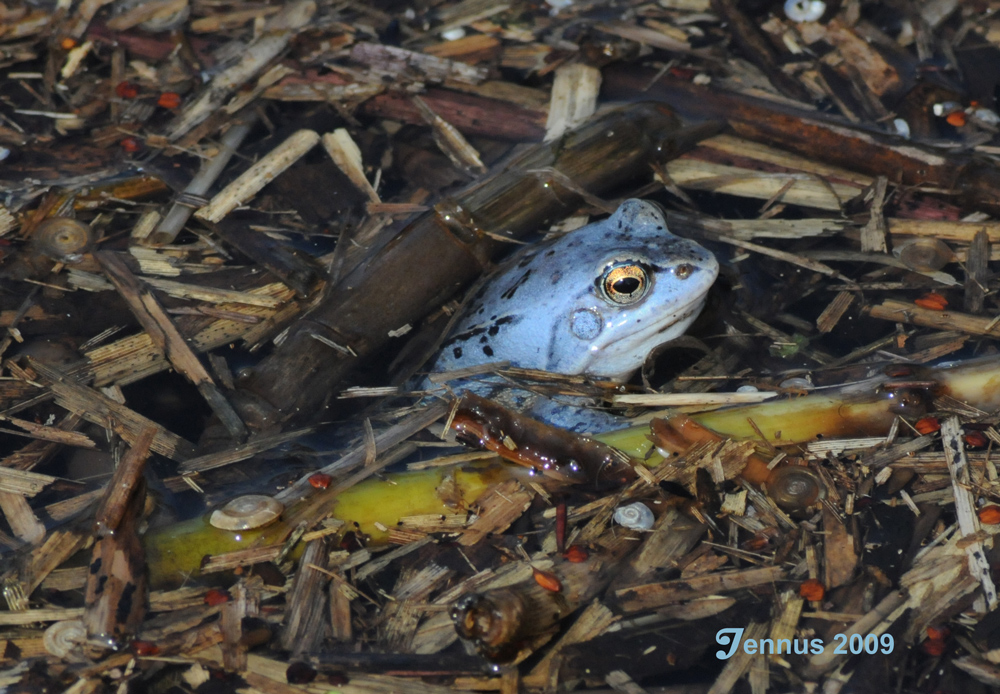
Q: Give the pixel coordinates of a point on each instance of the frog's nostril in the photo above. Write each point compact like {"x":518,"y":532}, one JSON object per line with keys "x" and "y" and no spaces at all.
{"x":683,"y":271}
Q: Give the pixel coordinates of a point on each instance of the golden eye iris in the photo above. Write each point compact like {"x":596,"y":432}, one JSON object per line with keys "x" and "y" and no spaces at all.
{"x":625,"y":284}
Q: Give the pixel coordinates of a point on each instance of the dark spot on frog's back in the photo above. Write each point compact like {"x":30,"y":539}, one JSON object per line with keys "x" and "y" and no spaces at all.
{"x":124,"y":607}
{"x":457,"y":352}
{"x":556,"y":276}
{"x":488,"y":351}
{"x":95,"y":566}
{"x":511,"y":290}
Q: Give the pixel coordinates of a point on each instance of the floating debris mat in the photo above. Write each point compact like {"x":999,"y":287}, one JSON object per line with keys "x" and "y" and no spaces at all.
{"x":499,"y":346}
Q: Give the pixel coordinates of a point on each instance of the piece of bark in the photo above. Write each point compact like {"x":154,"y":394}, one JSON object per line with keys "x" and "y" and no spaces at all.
{"x":653,"y":595}
{"x":450,"y":141}
{"x":791,"y":188}
{"x":873,"y":233}
{"x":574,"y":98}
{"x":904,"y":312}
{"x":341,"y":627}
{"x":53,"y":434}
{"x":977,"y":273}
{"x":22,"y":520}
{"x":307,"y":606}
{"x":117,"y":586}
{"x":241,"y":451}
{"x":834,"y":311}
{"x":496,"y":510}
{"x":674,"y":535}
{"x":402,"y":616}
{"x":347,"y":156}
{"x":839,"y":555}
{"x":123,"y":483}
{"x":854,"y":56}
{"x":218,"y":563}
{"x":262,"y":172}
{"x":155,"y":321}
{"x":245,"y":603}
{"x":402,"y":64}
{"x":591,"y":623}
{"x":965,"y":508}
{"x":471,"y":114}
{"x":23,"y":482}
{"x":133,"y":358}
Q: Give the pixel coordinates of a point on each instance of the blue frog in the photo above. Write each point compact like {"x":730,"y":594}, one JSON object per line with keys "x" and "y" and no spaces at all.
{"x":594,"y":302}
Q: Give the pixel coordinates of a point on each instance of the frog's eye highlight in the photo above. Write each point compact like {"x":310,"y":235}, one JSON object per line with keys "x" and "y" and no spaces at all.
{"x":625,"y":283}
{"x":683,"y":271}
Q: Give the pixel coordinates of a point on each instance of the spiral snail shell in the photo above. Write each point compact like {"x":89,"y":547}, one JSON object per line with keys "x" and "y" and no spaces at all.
{"x":794,"y":488}
{"x":62,"y":239}
{"x":246,"y":513}
{"x":63,"y":639}
{"x":634,"y":516}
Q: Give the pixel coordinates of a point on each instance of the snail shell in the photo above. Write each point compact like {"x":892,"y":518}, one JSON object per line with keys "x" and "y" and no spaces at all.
{"x":63,"y":639}
{"x":62,"y":239}
{"x":491,"y":620}
{"x":804,"y":10}
{"x":924,"y":254}
{"x":634,"y":516}
{"x":246,"y":513}
{"x":794,"y":487}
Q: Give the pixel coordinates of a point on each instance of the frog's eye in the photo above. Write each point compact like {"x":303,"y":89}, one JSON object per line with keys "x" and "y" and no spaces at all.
{"x":683,"y":271}
{"x":625,"y":283}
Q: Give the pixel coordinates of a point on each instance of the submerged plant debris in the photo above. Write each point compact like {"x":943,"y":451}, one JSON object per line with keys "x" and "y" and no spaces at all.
{"x":231,"y":233}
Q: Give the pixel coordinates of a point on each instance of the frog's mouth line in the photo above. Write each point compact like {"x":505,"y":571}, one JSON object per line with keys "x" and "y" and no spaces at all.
{"x":637,"y":346}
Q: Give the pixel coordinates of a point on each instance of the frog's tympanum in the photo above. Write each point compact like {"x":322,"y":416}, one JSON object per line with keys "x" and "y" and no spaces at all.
{"x":593,"y":302}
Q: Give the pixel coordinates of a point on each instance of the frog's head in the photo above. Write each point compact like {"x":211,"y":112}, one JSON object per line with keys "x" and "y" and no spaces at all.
{"x":595,"y":301}
{"x":643,"y":286}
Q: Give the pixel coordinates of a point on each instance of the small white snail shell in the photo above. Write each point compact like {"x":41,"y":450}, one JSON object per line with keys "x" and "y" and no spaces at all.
{"x":634,"y":516}
{"x":63,"y":639}
{"x":804,"y":10}
{"x":246,"y":513}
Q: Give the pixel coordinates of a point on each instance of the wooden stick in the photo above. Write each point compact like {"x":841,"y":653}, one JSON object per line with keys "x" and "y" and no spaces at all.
{"x":653,"y":595}
{"x":161,"y":329}
{"x":259,"y":175}
{"x":23,"y":521}
{"x":123,"y":482}
{"x":903,"y":312}
{"x":965,"y":508}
